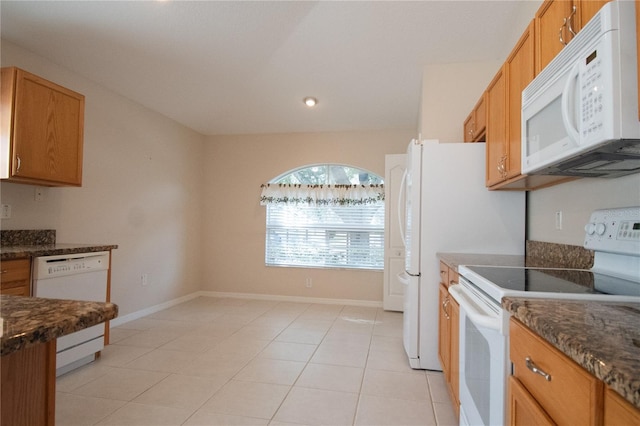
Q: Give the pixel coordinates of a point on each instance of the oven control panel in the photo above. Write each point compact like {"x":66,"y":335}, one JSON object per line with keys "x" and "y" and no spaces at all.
{"x":614,"y":230}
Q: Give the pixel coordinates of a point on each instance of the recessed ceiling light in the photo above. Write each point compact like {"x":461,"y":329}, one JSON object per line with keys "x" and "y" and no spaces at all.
{"x":309,"y":101}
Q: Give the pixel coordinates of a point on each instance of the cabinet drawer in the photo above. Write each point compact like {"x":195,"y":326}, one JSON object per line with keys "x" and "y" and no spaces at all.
{"x":15,"y":270}
{"x":569,"y":394}
{"x":15,"y":277}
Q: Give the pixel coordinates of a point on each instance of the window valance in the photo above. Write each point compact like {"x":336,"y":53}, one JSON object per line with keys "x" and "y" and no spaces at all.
{"x":329,"y":195}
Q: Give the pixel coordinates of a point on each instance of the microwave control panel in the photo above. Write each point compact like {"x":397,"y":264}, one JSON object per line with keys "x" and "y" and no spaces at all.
{"x":592,"y":96}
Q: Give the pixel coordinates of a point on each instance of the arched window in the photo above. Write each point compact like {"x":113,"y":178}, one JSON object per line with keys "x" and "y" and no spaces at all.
{"x":325,"y":215}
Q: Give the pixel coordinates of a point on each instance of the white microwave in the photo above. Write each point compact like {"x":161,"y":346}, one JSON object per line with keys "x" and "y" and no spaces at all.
{"x":580,"y":114}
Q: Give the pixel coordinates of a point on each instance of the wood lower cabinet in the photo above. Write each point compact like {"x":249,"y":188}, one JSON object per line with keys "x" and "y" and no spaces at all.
{"x":449,"y":334}
{"x":15,"y":277}
{"x":617,"y":411}
{"x":556,"y":387}
{"x":524,"y":410}
{"x":549,"y":388}
{"x":42,"y":125}
{"x":28,"y":386}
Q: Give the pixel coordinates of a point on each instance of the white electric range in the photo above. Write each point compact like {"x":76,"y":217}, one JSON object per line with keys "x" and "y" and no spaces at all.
{"x":613,"y":234}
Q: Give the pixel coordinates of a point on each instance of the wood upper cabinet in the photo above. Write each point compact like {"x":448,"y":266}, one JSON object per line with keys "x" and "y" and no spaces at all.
{"x":476,"y":123}
{"x":496,"y":145}
{"x":505,"y":105}
{"x":520,"y":72}
{"x":15,"y":277}
{"x":449,"y":334}
{"x":504,"y":123}
{"x":557,"y":21}
{"x":42,"y":125}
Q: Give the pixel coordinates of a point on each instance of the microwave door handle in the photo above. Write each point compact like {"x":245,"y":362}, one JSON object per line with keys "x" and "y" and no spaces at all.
{"x":403,"y":183}
{"x":492,"y":322}
{"x":567,"y":96}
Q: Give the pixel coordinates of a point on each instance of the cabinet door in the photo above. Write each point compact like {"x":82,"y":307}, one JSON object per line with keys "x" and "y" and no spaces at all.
{"x":550,"y":26}
{"x":519,"y":72}
{"x":47,"y":134}
{"x":585,"y":10}
{"x":480,"y":113}
{"x":618,"y":411}
{"x":523,"y":408}
{"x":443,"y":331}
{"x":468,"y":128}
{"x":496,"y":130}
{"x":454,"y":344}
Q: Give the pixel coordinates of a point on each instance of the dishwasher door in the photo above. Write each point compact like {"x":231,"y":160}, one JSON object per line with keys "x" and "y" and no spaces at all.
{"x":74,"y":277}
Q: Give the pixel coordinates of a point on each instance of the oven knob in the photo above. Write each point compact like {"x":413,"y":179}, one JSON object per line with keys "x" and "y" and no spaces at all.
{"x":590,"y":228}
{"x":600,"y":228}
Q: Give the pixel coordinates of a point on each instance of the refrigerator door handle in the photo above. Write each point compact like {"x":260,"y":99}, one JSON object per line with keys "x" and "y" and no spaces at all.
{"x":400,"y":224}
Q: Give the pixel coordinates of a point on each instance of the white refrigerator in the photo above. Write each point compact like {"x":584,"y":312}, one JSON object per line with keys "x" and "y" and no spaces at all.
{"x":448,"y":209}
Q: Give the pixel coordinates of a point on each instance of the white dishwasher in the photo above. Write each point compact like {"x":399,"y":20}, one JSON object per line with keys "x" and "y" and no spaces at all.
{"x":78,"y":276}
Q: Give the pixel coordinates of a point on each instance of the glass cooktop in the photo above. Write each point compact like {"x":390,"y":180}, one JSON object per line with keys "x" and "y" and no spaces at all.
{"x":574,"y":281}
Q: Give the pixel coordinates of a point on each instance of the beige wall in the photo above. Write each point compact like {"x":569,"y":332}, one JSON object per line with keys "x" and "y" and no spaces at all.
{"x":449,"y":93}
{"x":576,"y":200}
{"x":142,"y":190}
{"x":234,"y":229}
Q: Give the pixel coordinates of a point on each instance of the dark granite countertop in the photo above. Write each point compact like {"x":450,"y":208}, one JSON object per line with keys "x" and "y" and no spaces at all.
{"x":602,"y":337}
{"x":538,"y":254}
{"x":27,"y":321}
{"x":36,"y":250}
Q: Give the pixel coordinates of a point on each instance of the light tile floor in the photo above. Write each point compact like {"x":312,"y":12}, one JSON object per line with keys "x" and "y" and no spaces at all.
{"x":223,"y":361}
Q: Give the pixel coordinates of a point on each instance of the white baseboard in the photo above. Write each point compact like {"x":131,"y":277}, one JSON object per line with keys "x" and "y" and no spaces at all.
{"x":151,"y":310}
{"x":299,"y":299}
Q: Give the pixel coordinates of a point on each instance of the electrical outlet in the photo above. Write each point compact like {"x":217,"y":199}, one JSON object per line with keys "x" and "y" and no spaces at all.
{"x":144,"y":280}
{"x":38,"y":193}
{"x":6,"y":211}
{"x":308,"y":283}
{"x":559,"y":220}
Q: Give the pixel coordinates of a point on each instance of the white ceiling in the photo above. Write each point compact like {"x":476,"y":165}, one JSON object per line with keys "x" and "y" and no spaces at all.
{"x":243,"y":67}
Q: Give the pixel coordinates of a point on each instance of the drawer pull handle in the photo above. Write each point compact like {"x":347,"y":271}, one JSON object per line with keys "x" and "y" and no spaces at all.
{"x":531,"y":366}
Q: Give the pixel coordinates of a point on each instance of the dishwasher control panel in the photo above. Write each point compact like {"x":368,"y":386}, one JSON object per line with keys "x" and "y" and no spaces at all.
{"x":70,"y":264}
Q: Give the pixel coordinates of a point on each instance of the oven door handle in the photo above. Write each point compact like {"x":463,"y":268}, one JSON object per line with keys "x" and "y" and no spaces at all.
{"x":473,"y":311}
